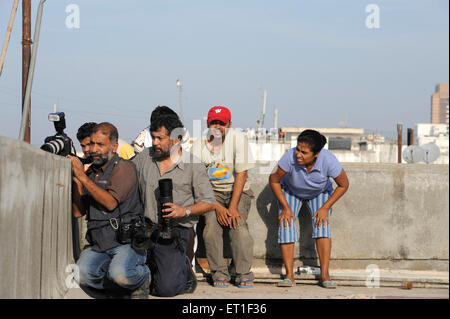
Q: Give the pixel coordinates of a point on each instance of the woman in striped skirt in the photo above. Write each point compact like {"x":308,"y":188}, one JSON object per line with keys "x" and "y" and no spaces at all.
{"x":303,"y":177}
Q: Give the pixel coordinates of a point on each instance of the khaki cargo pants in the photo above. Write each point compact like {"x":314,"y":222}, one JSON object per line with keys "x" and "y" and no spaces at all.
{"x":241,"y":241}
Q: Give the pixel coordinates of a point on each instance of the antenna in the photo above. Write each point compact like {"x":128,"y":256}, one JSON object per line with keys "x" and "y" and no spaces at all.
{"x":413,"y":154}
{"x":263,"y":112}
{"x":275,"y":119}
{"x":432,"y":152}
{"x":179,"y":99}
{"x":427,"y":153}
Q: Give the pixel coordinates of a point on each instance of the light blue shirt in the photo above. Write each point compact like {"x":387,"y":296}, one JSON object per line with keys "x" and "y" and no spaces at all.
{"x":306,"y":185}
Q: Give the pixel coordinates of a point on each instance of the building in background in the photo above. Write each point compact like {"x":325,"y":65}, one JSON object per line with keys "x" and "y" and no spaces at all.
{"x":338,"y":138}
{"x":439,"y":105}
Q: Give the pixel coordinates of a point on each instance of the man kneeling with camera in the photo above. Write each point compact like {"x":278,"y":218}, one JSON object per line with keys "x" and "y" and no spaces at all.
{"x":176,"y":191}
{"x":115,"y":259}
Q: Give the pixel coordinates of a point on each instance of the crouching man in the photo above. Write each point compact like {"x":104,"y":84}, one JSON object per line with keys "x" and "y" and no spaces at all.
{"x":109,"y":196}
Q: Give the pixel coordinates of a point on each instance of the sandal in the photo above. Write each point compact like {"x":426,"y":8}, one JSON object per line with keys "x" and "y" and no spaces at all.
{"x":286,"y":283}
{"x":245,"y":283}
{"x":221,"y":283}
{"x":328,"y":284}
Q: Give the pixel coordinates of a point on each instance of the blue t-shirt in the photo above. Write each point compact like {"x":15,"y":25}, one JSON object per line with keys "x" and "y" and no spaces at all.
{"x":309,"y":185}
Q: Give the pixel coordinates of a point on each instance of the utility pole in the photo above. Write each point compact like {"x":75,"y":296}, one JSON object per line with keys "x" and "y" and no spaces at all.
{"x":260,"y":122}
{"x":410,"y":136}
{"x":179,"y":100}
{"x":399,"y":142}
{"x":26,"y":57}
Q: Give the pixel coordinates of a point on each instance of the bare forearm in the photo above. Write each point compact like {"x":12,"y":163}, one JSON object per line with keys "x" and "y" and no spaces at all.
{"x":278,"y":192}
{"x":78,"y":208}
{"x":338,"y":192}
{"x":200,"y":208}
{"x":99,"y":194}
{"x":238,"y":188}
{"x":342,"y":186}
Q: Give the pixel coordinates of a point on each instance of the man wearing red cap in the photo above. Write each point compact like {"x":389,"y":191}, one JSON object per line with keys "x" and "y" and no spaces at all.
{"x":226,"y":155}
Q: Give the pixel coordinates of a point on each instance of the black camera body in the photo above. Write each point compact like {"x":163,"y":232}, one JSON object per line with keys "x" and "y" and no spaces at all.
{"x":135,"y":233}
{"x":60,"y":143}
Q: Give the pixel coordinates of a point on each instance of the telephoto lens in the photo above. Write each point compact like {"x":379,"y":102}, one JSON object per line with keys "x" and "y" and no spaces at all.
{"x":55,"y":146}
{"x":58,"y":144}
{"x":165,"y":196}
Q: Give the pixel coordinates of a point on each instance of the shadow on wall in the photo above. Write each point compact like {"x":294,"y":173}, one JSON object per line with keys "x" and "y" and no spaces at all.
{"x":307,"y":253}
{"x":201,"y":252}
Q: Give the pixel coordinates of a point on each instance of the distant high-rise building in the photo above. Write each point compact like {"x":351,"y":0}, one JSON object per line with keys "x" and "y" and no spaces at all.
{"x":439,"y":105}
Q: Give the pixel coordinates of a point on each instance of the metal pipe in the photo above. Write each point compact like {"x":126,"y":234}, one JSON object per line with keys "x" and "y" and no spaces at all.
{"x":410,"y":136}
{"x":8,"y":34}
{"x":26,"y":58}
{"x":27,"y":98}
{"x":399,"y":141}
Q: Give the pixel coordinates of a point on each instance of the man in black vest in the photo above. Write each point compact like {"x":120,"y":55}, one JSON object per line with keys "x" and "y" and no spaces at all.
{"x":110,"y":198}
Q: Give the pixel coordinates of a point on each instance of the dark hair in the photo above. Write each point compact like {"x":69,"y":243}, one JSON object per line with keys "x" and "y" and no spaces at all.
{"x":160,"y":110}
{"x":314,"y":139}
{"x":168,"y":119}
{"x":85,"y":130}
{"x":107,"y":129}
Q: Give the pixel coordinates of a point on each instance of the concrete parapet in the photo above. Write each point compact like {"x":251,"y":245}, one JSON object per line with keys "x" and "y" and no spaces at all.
{"x":35,"y":222}
{"x":394,"y":215}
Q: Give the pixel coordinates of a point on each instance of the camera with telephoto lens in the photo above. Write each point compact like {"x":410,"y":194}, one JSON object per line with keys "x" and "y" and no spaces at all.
{"x":60,"y":143}
{"x":165,"y":196}
{"x":135,"y":233}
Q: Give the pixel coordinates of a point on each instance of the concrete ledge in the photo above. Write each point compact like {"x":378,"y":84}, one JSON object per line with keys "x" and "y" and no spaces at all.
{"x":358,"y":278}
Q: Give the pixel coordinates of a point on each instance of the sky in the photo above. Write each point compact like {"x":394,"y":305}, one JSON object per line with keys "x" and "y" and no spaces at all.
{"x":318,"y":61}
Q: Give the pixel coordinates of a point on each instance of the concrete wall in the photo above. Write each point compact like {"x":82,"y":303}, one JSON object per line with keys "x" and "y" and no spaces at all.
{"x":35,"y":222}
{"x":396,"y":216}
{"x":377,"y":153}
{"x":393,"y":215}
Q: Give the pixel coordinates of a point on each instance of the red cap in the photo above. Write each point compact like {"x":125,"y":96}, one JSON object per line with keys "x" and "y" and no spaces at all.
{"x":219,"y":113}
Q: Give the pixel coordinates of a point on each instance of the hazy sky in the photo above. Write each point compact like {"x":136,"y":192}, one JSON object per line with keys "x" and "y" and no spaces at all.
{"x":318,"y":61}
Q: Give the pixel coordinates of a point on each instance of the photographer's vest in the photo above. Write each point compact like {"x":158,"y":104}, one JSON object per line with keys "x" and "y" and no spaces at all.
{"x":102,"y":225}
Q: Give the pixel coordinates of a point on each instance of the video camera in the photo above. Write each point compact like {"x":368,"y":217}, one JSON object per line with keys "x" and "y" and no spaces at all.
{"x":60,"y":143}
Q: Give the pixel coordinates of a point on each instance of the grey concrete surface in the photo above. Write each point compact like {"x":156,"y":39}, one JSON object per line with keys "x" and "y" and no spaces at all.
{"x":268,"y":290}
{"x":394,"y":215}
{"x":35,"y":222}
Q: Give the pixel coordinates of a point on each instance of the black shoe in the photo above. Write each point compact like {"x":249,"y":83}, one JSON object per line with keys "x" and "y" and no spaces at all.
{"x":191,"y":283}
{"x":142,"y":292}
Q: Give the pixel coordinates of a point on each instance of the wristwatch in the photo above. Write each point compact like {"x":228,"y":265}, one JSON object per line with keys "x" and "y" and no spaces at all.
{"x":188,"y":211}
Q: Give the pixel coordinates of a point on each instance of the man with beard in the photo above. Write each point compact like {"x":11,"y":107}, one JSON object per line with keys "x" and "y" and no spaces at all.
{"x":227,"y":158}
{"x":110,"y":198}
{"x":192,"y":196}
